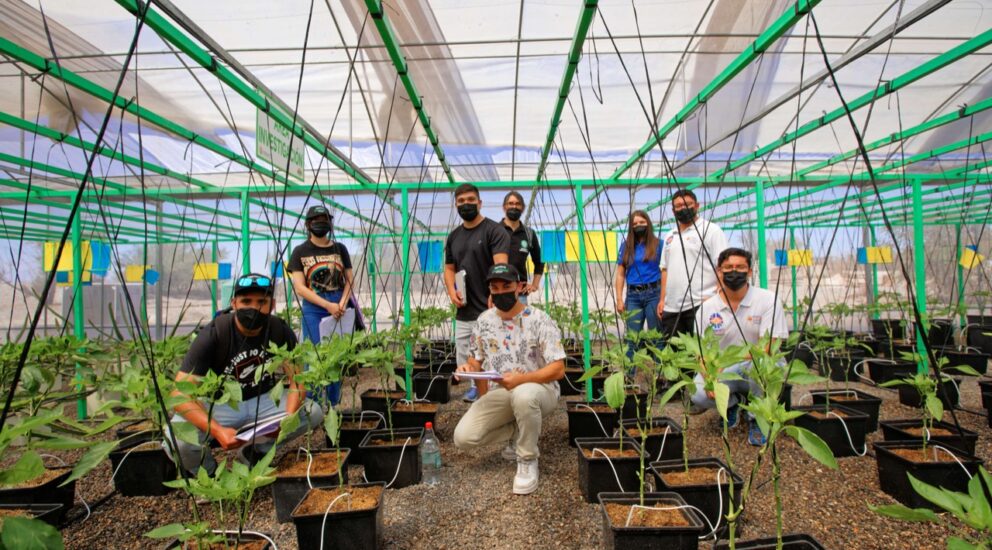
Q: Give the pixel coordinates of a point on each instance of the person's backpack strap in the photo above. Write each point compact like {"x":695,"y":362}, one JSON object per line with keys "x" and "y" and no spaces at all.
{"x":223,"y":324}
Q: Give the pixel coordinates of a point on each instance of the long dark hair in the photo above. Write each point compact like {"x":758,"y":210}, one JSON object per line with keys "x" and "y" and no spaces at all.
{"x":650,"y":240}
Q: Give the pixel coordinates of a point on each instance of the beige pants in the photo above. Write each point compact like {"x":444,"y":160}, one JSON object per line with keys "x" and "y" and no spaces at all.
{"x":493,"y":418}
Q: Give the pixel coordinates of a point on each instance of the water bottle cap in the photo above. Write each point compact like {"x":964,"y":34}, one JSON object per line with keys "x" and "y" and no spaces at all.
{"x":429,"y":426}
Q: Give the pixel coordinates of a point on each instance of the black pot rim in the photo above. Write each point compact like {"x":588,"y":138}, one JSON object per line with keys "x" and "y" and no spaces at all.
{"x":884,"y":447}
{"x":344,"y":461}
{"x":348,"y":512}
{"x":861,"y":396}
{"x":900,"y":423}
{"x":605,"y":443}
{"x":653,"y":422}
{"x":397,"y":432}
{"x":704,"y":461}
{"x":856,"y":414}
{"x":628,"y":498}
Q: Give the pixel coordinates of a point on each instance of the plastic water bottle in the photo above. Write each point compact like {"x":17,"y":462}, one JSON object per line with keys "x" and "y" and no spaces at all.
{"x":430,"y":456}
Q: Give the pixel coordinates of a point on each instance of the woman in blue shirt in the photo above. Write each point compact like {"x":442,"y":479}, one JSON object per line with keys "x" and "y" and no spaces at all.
{"x":638,"y":269}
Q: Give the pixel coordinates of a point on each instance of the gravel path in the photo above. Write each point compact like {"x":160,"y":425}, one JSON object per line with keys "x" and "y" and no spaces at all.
{"x":474,"y":507}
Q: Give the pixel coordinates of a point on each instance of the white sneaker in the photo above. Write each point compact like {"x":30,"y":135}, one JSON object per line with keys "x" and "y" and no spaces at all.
{"x":525,"y":482}
{"x":509,"y":452}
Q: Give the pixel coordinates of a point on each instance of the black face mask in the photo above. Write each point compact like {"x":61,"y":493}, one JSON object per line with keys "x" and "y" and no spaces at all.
{"x":513,"y":214}
{"x":686,"y":215}
{"x":735,"y":280}
{"x":640,"y":231}
{"x":505,"y":301}
{"x":468,"y":212}
{"x":320,"y":229}
{"x":251,"y":318}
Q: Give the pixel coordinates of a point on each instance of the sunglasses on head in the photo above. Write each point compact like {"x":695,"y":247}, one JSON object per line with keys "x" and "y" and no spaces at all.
{"x":254,"y":281}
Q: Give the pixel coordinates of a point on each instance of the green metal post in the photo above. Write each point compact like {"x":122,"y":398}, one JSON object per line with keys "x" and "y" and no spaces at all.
{"x":874,"y":275}
{"x":405,"y":209}
{"x":245,"y":243}
{"x":919,"y":260}
{"x":584,"y":285}
{"x":547,"y":285}
{"x":759,"y":200}
{"x":214,"y":286}
{"x":78,"y":315}
{"x":962,"y":317}
{"x":795,"y":298}
{"x":372,"y":285}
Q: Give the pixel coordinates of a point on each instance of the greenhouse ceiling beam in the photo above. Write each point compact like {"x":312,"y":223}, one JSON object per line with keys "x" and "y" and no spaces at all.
{"x":389,"y":40}
{"x":866,"y":176}
{"x":53,"y":220}
{"x":902,"y":23}
{"x":113,"y":154}
{"x":933,"y":65}
{"x":776,"y":30}
{"x":813,"y":209}
{"x":589,"y":8}
{"x":55,"y":70}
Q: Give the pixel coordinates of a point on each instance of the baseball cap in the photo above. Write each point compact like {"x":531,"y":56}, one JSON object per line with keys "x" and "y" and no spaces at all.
{"x":317,"y":211}
{"x":503,"y":272}
{"x":253,"y":281}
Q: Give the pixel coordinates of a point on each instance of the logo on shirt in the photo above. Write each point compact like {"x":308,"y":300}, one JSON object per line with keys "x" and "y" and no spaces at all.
{"x":716,"y":322}
{"x":669,"y":239}
{"x":754,"y":319}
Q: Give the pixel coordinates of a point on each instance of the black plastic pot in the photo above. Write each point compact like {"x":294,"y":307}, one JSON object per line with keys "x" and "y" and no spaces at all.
{"x":621,"y":537}
{"x":985,"y":387}
{"x":571,"y":385}
{"x":864,"y":402}
{"x":44,"y":512}
{"x":583,"y":422}
{"x":882,"y":370}
{"x":703,"y":496}
{"x":130,"y":433}
{"x":446,"y":367}
{"x":976,"y":360}
{"x":350,"y":530}
{"x":46,"y":493}
{"x":840,"y":366}
{"x":893,"y":470}
{"x":896,"y":430}
{"x":288,"y":491}
{"x":796,"y":541}
{"x":351,"y":437}
{"x":401,"y":372}
{"x":596,"y":474}
{"x":941,"y":332}
{"x":801,"y":353}
{"x":786,"y":397}
{"x":383,"y":462}
{"x":977,"y":337}
{"x":832,"y":429}
{"x":432,"y":387}
{"x":663,"y":446}
{"x":413,"y":419}
{"x":949,"y":396}
{"x":633,"y":402}
{"x":888,"y":329}
{"x":895,"y":349}
{"x":142,"y":471}
{"x":373,"y":400}
{"x":232,"y":541}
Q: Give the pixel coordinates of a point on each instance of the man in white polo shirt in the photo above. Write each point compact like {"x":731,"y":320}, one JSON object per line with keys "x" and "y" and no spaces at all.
{"x":687,"y":260}
{"x":739,"y":314}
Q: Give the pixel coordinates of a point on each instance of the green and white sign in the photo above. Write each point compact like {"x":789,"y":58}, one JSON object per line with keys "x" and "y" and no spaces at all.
{"x":272,"y":144}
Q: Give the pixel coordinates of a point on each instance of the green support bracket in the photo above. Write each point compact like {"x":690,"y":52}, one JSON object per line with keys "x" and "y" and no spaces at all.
{"x":245,"y":235}
{"x":403,"y":69}
{"x":795,"y":297}
{"x":574,"y":55}
{"x":959,"y":249}
{"x":874,"y":272}
{"x":78,"y":314}
{"x":920,"y":261}
{"x":214,"y":287}
{"x":405,"y":260}
{"x":584,"y":285}
{"x":759,"y":199}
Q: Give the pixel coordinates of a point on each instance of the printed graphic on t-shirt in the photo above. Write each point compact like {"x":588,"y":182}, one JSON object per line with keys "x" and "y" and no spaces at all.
{"x":243,"y":366}
{"x":323,"y":272}
{"x":716,"y":321}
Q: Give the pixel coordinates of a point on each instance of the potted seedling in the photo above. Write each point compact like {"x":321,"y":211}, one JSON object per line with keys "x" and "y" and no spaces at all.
{"x":938,"y":464}
{"x":844,"y":358}
{"x":770,"y":373}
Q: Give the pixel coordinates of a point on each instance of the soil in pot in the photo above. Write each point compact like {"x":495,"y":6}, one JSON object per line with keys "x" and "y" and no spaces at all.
{"x":375,"y":400}
{"x":663,"y":522}
{"x":698,"y":486}
{"x":853,"y":399}
{"x":897,"y":459}
{"x":44,"y":512}
{"x":941,"y":433}
{"x":654,"y":517}
{"x":292,"y":481}
{"x":664,"y":437}
{"x":326,"y":519}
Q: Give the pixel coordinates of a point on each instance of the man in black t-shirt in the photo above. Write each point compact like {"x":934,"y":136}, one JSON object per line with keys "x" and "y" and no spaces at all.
{"x":473,"y":247}
{"x":523,"y":243}
{"x":236,"y":344}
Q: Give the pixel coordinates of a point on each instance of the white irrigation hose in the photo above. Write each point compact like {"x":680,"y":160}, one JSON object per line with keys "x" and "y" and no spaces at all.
{"x":426,"y":393}
{"x":263,"y":535}
{"x":719,"y":512}
{"x":630,"y":515}
{"x":309,"y":463}
{"x":663,"y":439}
{"x":870,"y":360}
{"x":81,"y":499}
{"x":610,"y":462}
{"x":803,"y":396}
{"x":399,"y":463}
{"x":377,"y":413}
{"x":323,"y":523}
{"x":573,"y":385}
{"x":849,"y":440}
{"x":595,"y":414}
{"x":966,"y":472}
{"x":121,"y":463}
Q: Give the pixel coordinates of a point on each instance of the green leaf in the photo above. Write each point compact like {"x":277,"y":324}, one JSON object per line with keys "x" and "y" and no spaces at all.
{"x":940,"y":497}
{"x":60,"y":443}
{"x":276,"y":393}
{"x":958,"y":543}
{"x":935,"y":407}
{"x":287,"y":426}
{"x":30,"y":534}
{"x":331,"y":426}
{"x":593,"y":371}
{"x":613,"y":388}
{"x":28,"y":467}
{"x":898,"y":511}
{"x":186,"y":432}
{"x":813,"y":445}
{"x":93,"y":457}
{"x":668,"y":395}
{"x":171,"y":531}
{"x":721,"y":394}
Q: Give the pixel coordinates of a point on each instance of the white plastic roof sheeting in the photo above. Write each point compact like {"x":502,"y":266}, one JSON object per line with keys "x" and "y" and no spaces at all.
{"x":463,"y":57}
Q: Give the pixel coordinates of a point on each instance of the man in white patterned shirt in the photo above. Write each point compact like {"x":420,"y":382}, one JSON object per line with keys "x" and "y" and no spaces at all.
{"x":523,"y":345}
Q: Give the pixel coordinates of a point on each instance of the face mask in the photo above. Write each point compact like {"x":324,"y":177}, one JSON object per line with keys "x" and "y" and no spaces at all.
{"x":513,"y":214}
{"x":468,"y":212}
{"x":735,"y":280}
{"x":640,"y":231}
{"x":686,"y":215}
{"x":505,"y":301}
{"x":251,"y":318}
{"x":320,"y":229}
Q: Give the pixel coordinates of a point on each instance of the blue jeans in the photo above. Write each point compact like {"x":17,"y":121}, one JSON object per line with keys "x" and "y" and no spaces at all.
{"x":643,"y":307}
{"x":312,"y":315}
{"x":737,"y":387}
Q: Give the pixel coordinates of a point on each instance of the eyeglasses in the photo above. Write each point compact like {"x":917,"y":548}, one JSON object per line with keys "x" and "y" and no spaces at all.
{"x":254,"y":281}
{"x":733,"y":269}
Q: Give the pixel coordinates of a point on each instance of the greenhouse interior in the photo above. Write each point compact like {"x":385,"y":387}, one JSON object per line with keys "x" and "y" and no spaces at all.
{"x":444,"y":273}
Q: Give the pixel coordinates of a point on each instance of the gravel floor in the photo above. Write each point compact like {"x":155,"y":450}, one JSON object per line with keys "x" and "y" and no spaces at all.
{"x":474,"y":507}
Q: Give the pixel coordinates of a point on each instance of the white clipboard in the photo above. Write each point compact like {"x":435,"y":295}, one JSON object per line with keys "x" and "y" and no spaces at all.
{"x":329,"y":326}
